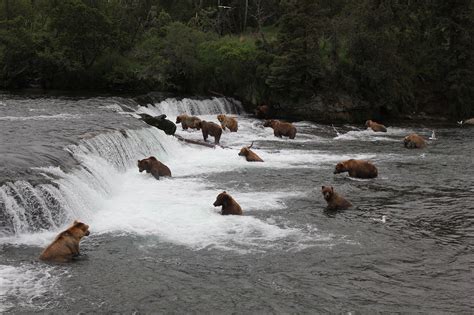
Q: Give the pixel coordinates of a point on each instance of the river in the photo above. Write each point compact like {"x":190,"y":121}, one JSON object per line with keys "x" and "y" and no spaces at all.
{"x":161,"y":247}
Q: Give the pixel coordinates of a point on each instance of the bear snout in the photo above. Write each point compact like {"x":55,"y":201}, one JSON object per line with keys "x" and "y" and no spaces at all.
{"x":215,"y":204}
{"x":87,"y":233}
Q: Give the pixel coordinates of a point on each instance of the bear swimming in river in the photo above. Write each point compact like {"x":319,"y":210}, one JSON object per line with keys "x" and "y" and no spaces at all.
{"x":153,"y":166}
{"x":414,"y":141}
{"x":229,"y":205}
{"x":159,"y":122}
{"x":262,"y":111}
{"x":357,"y":168}
{"x":281,"y":128}
{"x":334,"y":200}
{"x":66,"y":245}
{"x":250,"y":156}
{"x":188,"y":121}
{"x":375,"y":126}
{"x":228,"y":122}
{"x":210,"y":129}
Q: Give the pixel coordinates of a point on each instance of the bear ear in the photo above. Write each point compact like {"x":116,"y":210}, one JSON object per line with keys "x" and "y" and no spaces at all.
{"x":224,"y":192}
{"x":75,"y":222}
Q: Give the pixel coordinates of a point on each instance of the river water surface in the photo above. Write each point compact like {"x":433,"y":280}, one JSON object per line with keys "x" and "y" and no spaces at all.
{"x":161,"y":247}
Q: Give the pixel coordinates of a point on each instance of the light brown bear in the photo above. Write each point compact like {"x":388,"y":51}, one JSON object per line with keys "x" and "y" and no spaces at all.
{"x":375,"y":126}
{"x":66,"y":245}
{"x":334,"y":200}
{"x":229,"y":205}
{"x":228,"y":122}
{"x":414,"y":141}
{"x":357,"y":168}
{"x":281,"y":128}
{"x":262,"y":111}
{"x":210,"y":129}
{"x":188,"y":121}
{"x":153,"y":166}
{"x":250,"y":156}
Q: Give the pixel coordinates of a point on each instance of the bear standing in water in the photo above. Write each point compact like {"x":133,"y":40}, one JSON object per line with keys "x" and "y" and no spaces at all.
{"x":210,"y":129}
{"x":229,"y":205}
{"x":375,"y":126}
{"x":357,"y":168}
{"x":188,"y":121}
{"x":281,"y":128}
{"x":66,"y":245}
{"x":153,"y":166}
{"x":334,"y":200}
{"x":228,"y":122}
{"x":414,"y":141}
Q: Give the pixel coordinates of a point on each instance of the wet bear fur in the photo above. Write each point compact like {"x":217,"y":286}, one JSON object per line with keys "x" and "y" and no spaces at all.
{"x":229,"y":205}
{"x":65,"y":246}
{"x":334,"y":200}
{"x":228,"y":122}
{"x":210,"y":129}
{"x":153,"y":166}
{"x":188,"y":121}
{"x":357,"y":168}
{"x":281,"y":129}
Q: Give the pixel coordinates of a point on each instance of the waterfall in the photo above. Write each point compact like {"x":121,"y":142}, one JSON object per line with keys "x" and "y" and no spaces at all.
{"x":25,"y":208}
{"x":173,"y":107}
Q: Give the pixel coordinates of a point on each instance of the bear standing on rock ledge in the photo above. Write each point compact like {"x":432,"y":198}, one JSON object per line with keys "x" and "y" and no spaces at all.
{"x":66,"y":245}
{"x":357,"y":168}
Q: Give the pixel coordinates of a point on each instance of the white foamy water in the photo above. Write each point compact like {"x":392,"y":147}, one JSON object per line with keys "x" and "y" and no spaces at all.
{"x":393,"y":134}
{"x":42,"y":117}
{"x":26,"y":286}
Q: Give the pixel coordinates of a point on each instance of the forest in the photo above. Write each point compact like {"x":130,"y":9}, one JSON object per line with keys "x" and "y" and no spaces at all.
{"x":397,"y":57}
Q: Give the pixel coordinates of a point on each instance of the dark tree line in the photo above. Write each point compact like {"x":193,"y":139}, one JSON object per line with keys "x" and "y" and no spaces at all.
{"x":403,"y":55}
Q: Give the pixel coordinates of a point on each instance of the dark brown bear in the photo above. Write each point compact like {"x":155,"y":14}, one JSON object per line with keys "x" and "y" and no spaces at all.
{"x":262,"y":112}
{"x":250,"y":156}
{"x":229,"y":205}
{"x":188,"y":121}
{"x":375,"y":126}
{"x":153,"y":166}
{"x":210,"y":129}
{"x":281,"y":128}
{"x":357,"y":168}
{"x":334,"y":200}
{"x":414,"y":141}
{"x":66,"y":245}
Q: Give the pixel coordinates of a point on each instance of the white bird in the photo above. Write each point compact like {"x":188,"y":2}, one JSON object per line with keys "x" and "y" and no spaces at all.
{"x":433,"y":136}
{"x":460,"y":122}
{"x":383,"y":220}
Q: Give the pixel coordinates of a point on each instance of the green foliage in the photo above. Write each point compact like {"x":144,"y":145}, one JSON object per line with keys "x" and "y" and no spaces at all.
{"x":401,"y":56}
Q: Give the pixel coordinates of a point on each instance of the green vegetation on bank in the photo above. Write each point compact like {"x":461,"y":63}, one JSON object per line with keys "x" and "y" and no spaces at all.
{"x":402,"y":56}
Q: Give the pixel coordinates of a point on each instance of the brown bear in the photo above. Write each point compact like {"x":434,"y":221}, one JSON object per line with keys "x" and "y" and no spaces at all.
{"x":210,"y":129}
{"x":281,"y":128}
{"x":153,"y":166}
{"x":66,"y":245}
{"x":357,"y":168}
{"x":228,"y":122}
{"x":262,"y":112}
{"x":375,"y":126}
{"x":334,"y":200}
{"x":229,"y":205}
{"x":414,"y":141}
{"x":188,"y":121}
{"x":250,"y":156}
